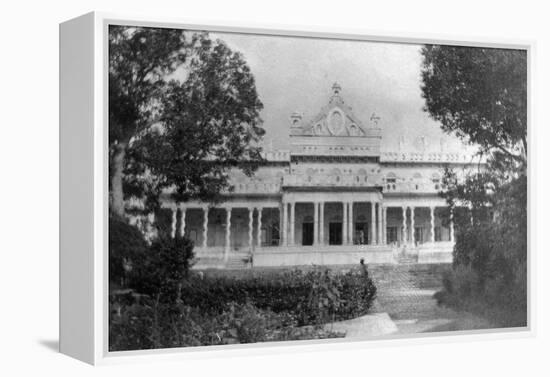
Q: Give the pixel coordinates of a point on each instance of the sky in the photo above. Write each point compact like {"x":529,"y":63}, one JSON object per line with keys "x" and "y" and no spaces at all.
{"x":296,"y":74}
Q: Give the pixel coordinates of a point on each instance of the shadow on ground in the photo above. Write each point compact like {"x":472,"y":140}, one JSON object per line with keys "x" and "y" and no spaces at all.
{"x":52,"y":345}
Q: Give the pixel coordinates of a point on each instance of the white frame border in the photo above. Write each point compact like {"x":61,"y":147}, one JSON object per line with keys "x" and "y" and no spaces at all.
{"x":101,"y":354}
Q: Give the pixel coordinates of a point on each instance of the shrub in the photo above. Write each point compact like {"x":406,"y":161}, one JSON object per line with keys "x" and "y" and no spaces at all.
{"x":146,"y":325}
{"x":163,"y":268}
{"x":357,"y":296}
{"x":176,"y":308}
{"x":458,"y":285}
{"x":311,"y":297}
{"x":130,"y":327}
{"x":127,"y":247}
{"x":489,"y":273}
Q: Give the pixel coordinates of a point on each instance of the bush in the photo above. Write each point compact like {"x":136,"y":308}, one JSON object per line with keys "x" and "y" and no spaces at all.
{"x":127,"y":247}
{"x":489,"y":275}
{"x":458,"y":285}
{"x":155,"y":269}
{"x":147,"y":325}
{"x":163,"y":268}
{"x":312,"y":297}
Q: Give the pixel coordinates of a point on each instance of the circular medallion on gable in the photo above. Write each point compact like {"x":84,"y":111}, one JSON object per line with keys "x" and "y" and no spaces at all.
{"x":336,"y":121}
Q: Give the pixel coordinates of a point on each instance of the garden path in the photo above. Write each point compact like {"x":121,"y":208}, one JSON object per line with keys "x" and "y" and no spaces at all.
{"x":406,"y":292}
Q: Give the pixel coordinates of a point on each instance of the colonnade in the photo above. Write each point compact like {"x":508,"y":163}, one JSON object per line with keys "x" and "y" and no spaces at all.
{"x":228,"y":210}
{"x":287,"y":229}
{"x":406,"y":230}
{"x":288,"y":222}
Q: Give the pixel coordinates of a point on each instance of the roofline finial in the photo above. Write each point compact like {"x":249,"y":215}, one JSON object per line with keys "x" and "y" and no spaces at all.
{"x":336,"y":88}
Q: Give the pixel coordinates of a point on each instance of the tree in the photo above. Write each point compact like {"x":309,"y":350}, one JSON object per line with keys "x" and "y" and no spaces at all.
{"x":210,"y":124}
{"x":479,"y":94}
{"x":139,"y":60}
{"x":183,"y":109}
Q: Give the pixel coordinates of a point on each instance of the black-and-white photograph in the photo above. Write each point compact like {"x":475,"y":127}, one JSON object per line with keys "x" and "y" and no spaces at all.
{"x":268,"y":188}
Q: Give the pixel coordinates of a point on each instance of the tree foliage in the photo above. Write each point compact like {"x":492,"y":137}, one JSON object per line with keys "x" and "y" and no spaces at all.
{"x":183,"y":110}
{"x":139,"y":60}
{"x":479,"y":94}
{"x":211,"y":124}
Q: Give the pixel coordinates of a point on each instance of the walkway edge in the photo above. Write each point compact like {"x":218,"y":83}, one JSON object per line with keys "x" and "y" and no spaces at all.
{"x":370,"y":325}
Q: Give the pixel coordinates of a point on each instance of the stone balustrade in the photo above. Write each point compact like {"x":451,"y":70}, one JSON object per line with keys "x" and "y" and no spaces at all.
{"x":276,"y":155}
{"x":414,"y":186}
{"x":459,"y":157}
{"x":327,"y":180}
{"x":256,"y":187}
{"x":424,"y":185}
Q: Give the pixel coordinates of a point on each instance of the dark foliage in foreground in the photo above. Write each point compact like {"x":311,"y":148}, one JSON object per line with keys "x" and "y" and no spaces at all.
{"x":155,"y":269}
{"x":162,"y":270}
{"x":150,"y":325}
{"x":489,"y":273}
{"x":126,"y":247}
{"x":224,"y":310}
{"x":159,"y":302}
{"x":314,"y":296}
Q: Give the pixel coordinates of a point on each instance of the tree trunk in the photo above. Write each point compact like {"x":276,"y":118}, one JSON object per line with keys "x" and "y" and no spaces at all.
{"x":117,"y":194}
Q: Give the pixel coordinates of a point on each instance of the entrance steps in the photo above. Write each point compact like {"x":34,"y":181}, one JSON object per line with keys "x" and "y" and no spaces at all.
{"x":404,"y":258}
{"x":238,"y":262}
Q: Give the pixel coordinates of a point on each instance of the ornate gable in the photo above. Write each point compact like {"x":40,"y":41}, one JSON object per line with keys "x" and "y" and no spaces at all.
{"x":335,"y":119}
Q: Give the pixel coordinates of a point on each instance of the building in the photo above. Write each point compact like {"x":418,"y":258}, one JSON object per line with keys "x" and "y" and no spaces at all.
{"x":334,"y":197}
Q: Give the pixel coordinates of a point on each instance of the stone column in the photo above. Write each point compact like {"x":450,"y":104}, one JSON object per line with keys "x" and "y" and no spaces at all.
{"x":412,"y":227}
{"x":384,"y":225}
{"x":315,"y":223}
{"x":205,"y":227}
{"x":404,"y":233}
{"x":380,"y":224}
{"x":250,"y":227}
{"x":373,"y":222}
{"x":351,"y":229}
{"x":322,"y":223}
{"x":344,"y":223}
{"x":227,"y":233}
{"x":182,"y":223}
{"x":174,"y":221}
{"x":292,"y":226}
{"x":284,"y":228}
{"x":432,"y":224}
{"x":259,"y":234}
{"x":280,"y":224}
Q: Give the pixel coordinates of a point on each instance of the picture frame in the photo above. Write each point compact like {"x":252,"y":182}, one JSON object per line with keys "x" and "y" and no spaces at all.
{"x":84,"y":190}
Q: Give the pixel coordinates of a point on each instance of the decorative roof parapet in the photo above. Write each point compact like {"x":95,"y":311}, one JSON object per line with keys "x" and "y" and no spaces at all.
{"x":276,"y":155}
{"x":458,"y":157}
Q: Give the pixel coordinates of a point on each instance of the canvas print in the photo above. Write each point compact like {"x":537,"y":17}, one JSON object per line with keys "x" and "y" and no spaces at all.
{"x":267,"y":188}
